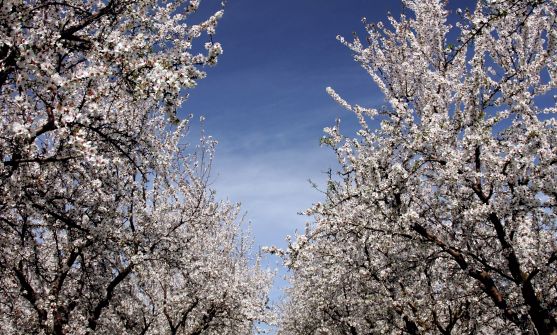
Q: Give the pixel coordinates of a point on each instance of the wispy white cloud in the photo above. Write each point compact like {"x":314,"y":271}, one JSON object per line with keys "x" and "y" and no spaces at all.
{"x":273,"y":187}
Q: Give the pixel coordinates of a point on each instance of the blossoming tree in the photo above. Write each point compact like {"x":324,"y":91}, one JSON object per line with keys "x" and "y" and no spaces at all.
{"x":107,"y":224}
{"x":443,"y":217}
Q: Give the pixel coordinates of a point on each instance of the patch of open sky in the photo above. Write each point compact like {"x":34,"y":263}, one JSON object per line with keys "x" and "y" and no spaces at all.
{"x":265,"y":102}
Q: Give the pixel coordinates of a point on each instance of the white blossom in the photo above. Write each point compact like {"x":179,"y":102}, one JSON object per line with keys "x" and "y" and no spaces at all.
{"x":107,"y":223}
{"x":442,"y":218}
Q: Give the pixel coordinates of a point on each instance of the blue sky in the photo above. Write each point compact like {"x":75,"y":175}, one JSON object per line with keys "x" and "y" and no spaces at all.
{"x":265,"y":102}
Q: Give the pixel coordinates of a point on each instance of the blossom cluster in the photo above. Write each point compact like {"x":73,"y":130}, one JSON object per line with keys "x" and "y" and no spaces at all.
{"x":107,"y":222}
{"x":442,"y":217}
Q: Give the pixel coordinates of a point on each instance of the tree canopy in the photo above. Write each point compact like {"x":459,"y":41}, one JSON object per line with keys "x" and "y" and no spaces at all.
{"x":442,"y":218}
{"x":107,"y":223}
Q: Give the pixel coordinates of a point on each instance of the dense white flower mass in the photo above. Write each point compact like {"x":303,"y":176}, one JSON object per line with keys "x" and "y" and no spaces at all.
{"x":107,"y":224}
{"x":442,"y":219}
